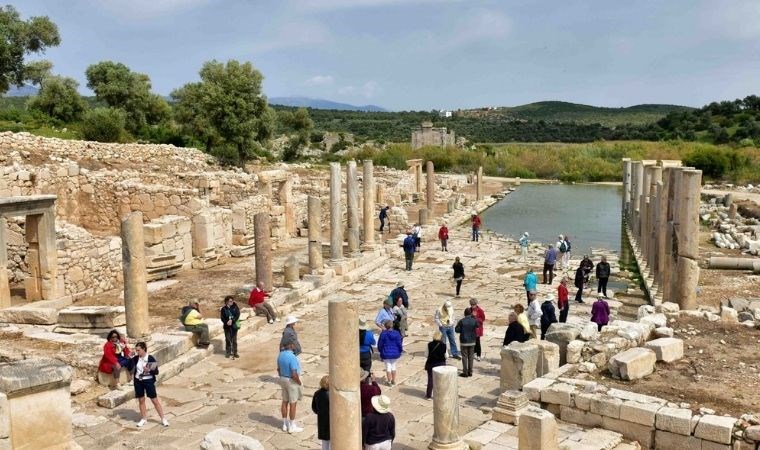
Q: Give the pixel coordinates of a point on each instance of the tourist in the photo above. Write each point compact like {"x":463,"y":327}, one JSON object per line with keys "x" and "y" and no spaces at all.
{"x":230,"y":314}
{"x":417,"y":234}
{"x":400,"y":291}
{"x":192,"y":319}
{"x":602,"y":276}
{"x":436,"y":356}
{"x":258,"y":302}
{"x":290,"y":336}
{"x":475,"y":226}
{"x":145,"y":369}
{"x":524,"y":243}
{"x":563,"y":302}
{"x":600,"y":312}
{"x":385,"y":314}
{"x":379,"y":427}
{"x":444,"y":318}
{"x":390,"y":347}
{"x":400,"y":321}
{"x":566,"y":255}
{"x":530,"y":282}
{"x":534,"y":316}
{"x":548,"y":315}
{"x":588,"y":266}
{"x":116,"y":356}
{"x":480,"y":316}
{"x":550,"y":259}
{"x":561,"y":247}
{"x":458,"y":274}
{"x":515,"y":331}
{"x":579,"y":284}
{"x":522,"y":317}
{"x":368,"y":389}
{"x":443,"y":236}
{"x":410,"y":246}
{"x":320,"y":405}
{"x":467,"y":329}
{"x":289,"y":370}
{"x":366,"y":342}
{"x":383,"y":216}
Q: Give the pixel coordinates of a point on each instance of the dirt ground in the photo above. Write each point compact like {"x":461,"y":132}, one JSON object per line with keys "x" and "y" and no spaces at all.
{"x":717,"y":285}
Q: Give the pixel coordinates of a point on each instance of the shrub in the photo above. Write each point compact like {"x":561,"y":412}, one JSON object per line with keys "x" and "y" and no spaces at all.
{"x":713,"y":162}
{"x":104,"y":125}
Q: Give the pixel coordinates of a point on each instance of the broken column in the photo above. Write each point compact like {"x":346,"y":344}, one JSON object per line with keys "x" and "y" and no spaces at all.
{"x":479,"y":184}
{"x":687,"y":235}
{"x":368,"y":216}
{"x":418,"y":176}
{"x":345,"y":396}
{"x":5,"y":289}
{"x":537,"y":430}
{"x":430,"y":194}
{"x":637,"y":174}
{"x":671,"y":246}
{"x":262,"y":235}
{"x":510,"y":406}
{"x":291,"y":270}
{"x":518,"y":365}
{"x":445,"y":410}
{"x":135,"y":283}
{"x":314,"y":207}
{"x":336,"y":214}
{"x":626,"y":185}
{"x":380,"y":194}
{"x":352,"y":202}
{"x":423,"y":216}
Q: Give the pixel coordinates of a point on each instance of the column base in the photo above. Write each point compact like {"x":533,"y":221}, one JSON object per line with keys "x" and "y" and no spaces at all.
{"x":459,"y":445}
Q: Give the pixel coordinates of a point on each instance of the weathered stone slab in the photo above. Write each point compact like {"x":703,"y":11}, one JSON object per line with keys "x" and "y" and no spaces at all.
{"x":29,"y":315}
{"x":561,"y":334}
{"x":537,"y":430}
{"x":224,"y":439}
{"x":548,"y":357}
{"x":666,"y":349}
{"x":640,"y":413}
{"x":92,"y":317}
{"x":633,"y":363}
{"x":674,"y":420}
{"x":715,"y":428}
{"x":518,"y":365}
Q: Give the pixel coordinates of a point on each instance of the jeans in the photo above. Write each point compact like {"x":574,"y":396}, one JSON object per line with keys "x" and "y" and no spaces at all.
{"x":230,"y":341}
{"x":468,"y":355}
{"x":548,"y":268}
{"x":478,"y":349}
{"x":429,"y":390}
{"x":409,"y":256}
{"x":448,"y":333}
{"x":563,"y":313}
{"x":475,"y":232}
{"x":459,"y":286}
{"x":200,"y":330}
{"x":602,"y":287}
{"x":443,"y":245}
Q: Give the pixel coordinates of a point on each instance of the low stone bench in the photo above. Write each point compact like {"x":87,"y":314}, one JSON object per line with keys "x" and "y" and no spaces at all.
{"x":633,"y":363}
{"x":666,"y":349}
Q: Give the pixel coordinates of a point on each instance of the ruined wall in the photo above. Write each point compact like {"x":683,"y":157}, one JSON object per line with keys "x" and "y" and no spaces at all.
{"x":87,"y":264}
{"x":169,"y":235}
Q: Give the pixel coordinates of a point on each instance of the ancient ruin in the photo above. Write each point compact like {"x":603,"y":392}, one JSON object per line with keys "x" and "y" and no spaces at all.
{"x":426,"y":134}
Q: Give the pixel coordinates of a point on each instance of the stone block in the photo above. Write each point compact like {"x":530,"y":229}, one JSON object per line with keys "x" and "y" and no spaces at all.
{"x":5,"y":417}
{"x":709,"y":445}
{"x":642,"y":434}
{"x":548,"y":357}
{"x":92,"y":317}
{"x":533,"y":388}
{"x":224,"y":439}
{"x":583,"y":400}
{"x":729,"y":314}
{"x":663,"y":332}
{"x":558,"y":394}
{"x":152,"y":233}
{"x":518,"y":365}
{"x":715,"y":428}
{"x":674,"y":420}
{"x":589,"y":332}
{"x":537,"y":430}
{"x":580,"y":417}
{"x":666,"y":349}
{"x":562,"y":334}
{"x":605,"y":405}
{"x":573,"y":353}
{"x":29,"y":315}
{"x":640,"y":413}
{"x":665,"y":440}
{"x":633,"y":363}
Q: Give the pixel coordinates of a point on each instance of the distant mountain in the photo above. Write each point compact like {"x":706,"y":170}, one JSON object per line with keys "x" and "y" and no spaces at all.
{"x":23,"y":91}
{"x":316,"y":103}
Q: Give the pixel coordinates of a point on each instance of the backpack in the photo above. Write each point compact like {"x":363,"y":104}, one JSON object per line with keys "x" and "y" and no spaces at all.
{"x":563,"y":247}
{"x":567,"y":244}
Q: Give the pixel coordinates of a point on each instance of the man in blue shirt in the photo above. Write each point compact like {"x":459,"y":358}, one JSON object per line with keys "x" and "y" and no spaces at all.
{"x":366,"y":342}
{"x":410,"y":245}
{"x":385,"y":314}
{"x":289,"y":371}
{"x":550,"y":258}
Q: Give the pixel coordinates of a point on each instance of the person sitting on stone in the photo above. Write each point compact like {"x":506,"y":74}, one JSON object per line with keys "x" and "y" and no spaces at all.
{"x":522,"y":317}
{"x":515,"y":331}
{"x":192,"y":319}
{"x":258,"y":302}
{"x":116,"y":355}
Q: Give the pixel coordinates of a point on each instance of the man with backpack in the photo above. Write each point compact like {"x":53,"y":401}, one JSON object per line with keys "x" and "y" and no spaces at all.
{"x":562,"y":249}
{"x":410,"y":246}
{"x":383,"y":216}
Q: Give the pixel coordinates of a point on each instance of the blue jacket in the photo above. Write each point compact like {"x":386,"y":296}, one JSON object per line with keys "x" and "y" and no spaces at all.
{"x":531,"y":280}
{"x":365,"y":346}
{"x":389,"y":345}
{"x":409,"y":244}
{"x":550,"y":256}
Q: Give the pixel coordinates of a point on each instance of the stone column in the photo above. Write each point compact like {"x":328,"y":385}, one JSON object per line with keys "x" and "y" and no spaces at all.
{"x":352,"y":201}
{"x":345,"y":396}
{"x":430,"y":194}
{"x":285,"y":194}
{"x":479,"y":184}
{"x":336,"y":214}
{"x":637,"y":172}
{"x":314,"y":213}
{"x":368,"y":216}
{"x":291,"y":271}
{"x":33,"y":283}
{"x":5,"y":289}
{"x":654,"y":176}
{"x":423,"y":216}
{"x":262,"y":235}
{"x":445,"y":410}
{"x":380,"y":194}
{"x":418,"y":176}
{"x":671,"y":243}
{"x":643,"y":212}
{"x":662,"y":229}
{"x":135,"y":275}
{"x":657,"y":214}
{"x":537,"y":430}
{"x":626,"y":185}
{"x":687,"y":235}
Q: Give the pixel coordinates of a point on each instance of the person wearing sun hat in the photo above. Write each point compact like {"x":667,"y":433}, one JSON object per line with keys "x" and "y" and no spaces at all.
{"x":379,"y":427}
{"x":289,"y":335}
{"x":444,"y":318}
{"x":524,"y":243}
{"x":548,"y":314}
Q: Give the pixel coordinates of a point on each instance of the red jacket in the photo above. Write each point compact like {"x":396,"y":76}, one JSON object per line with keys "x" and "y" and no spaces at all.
{"x":257,"y":296}
{"x":480,"y":315}
{"x":109,"y":358}
{"x":476,"y":222}
{"x":561,"y":296}
{"x":443,"y":233}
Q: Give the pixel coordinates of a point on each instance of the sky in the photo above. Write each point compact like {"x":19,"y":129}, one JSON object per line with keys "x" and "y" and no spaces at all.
{"x":428,"y":54}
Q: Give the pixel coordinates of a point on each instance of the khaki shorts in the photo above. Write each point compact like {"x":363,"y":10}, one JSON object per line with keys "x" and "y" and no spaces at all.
{"x":291,"y":391}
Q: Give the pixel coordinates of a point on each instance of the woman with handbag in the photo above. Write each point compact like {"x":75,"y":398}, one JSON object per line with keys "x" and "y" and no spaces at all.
{"x":145,"y":369}
{"x":230,"y":315}
{"x":436,"y":356}
{"x":116,"y":355}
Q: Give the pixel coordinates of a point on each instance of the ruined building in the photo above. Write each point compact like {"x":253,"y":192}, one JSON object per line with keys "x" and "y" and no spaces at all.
{"x":425,"y":134}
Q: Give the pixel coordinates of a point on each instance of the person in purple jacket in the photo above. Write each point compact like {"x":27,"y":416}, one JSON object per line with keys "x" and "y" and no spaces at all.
{"x":389,"y":345}
{"x":600,"y":312}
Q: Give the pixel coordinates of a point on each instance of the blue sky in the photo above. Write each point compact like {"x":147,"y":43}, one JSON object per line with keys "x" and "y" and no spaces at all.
{"x":425,"y":54}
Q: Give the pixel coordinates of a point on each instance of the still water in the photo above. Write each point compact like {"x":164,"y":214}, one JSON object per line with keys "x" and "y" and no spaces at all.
{"x":589,"y":214}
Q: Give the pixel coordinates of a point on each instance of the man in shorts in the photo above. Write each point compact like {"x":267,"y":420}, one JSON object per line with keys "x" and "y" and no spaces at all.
{"x":289,"y":371}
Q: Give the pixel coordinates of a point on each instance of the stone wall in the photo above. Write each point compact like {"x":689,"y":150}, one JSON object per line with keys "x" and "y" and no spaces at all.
{"x":87,"y":264}
{"x":169,"y":236}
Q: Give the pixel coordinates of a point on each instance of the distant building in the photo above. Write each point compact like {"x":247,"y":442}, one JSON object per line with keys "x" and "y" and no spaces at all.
{"x":445,"y":113}
{"x":425,"y":134}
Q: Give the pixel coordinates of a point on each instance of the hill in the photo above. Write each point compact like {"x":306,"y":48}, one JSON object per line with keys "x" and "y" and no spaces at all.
{"x":23,"y":91}
{"x":565,"y":112}
{"x":316,"y":103}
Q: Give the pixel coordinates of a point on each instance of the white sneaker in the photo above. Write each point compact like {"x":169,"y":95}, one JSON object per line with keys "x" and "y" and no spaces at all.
{"x":271,"y":321}
{"x":284,"y":425}
{"x":141,"y":423}
{"x":293,"y":428}
{"x":164,"y":422}
{"x":477,"y":358}
{"x":277,"y":320}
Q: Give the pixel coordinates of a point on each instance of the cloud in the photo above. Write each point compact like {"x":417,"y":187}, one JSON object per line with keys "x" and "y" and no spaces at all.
{"x":319,"y":80}
{"x":366,"y":90}
{"x":292,"y":34}
{"x":482,"y":25}
{"x":148,"y":9}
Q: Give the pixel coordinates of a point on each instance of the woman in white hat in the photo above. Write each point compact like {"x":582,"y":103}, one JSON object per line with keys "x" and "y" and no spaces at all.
{"x":379,"y":427}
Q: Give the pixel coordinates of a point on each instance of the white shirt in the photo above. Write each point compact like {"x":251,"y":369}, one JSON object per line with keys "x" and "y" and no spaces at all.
{"x":534,"y":313}
{"x":140,"y":368}
{"x":417,"y":230}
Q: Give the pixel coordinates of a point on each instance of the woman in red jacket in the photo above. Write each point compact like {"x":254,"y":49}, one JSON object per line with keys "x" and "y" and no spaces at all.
{"x":115,"y":355}
{"x":480,"y":316}
{"x":564,"y":305}
{"x":443,"y":235}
